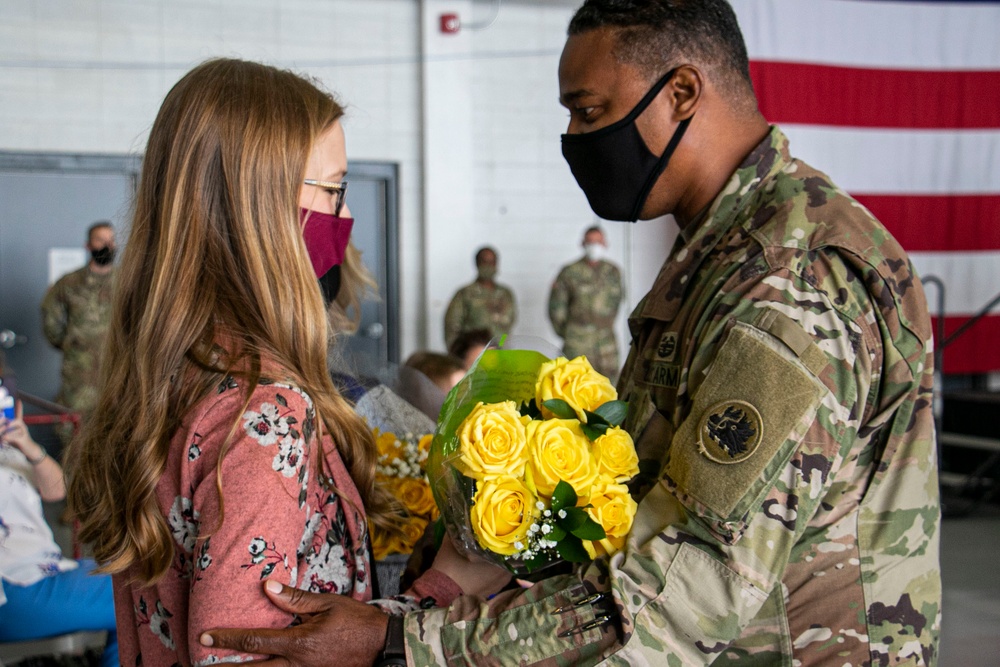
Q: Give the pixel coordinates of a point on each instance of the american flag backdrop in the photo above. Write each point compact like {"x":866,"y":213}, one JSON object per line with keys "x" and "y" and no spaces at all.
{"x":899,"y":102}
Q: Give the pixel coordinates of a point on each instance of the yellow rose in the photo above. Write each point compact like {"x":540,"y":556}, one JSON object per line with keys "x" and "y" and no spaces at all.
{"x":614,"y":453}
{"x":413,"y":529}
{"x":503,"y":510}
{"x":425,"y":442}
{"x":575,"y":382}
{"x":415,"y":494}
{"x":381,"y":544}
{"x":559,"y":451}
{"x":613,"y":507}
{"x":492,"y":442}
{"x":388,"y":444}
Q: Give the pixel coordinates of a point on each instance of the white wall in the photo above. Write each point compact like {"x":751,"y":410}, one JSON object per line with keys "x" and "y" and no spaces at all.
{"x":472,"y":119}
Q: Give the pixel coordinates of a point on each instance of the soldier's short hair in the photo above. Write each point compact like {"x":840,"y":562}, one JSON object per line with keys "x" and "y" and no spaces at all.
{"x":482,"y":251}
{"x":100,"y":224}
{"x":655,"y":35}
{"x":592,"y":229}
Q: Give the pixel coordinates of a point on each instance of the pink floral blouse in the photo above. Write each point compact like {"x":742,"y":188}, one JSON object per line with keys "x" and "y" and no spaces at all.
{"x":278,"y":523}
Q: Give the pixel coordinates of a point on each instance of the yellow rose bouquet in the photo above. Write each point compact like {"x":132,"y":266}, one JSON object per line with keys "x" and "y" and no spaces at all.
{"x":529,"y":464}
{"x":401,"y":469}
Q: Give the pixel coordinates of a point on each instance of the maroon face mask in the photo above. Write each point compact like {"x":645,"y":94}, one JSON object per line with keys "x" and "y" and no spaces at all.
{"x":326,"y":238}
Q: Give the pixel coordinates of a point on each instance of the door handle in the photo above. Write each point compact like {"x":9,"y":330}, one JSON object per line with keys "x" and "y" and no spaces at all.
{"x":9,"y":339}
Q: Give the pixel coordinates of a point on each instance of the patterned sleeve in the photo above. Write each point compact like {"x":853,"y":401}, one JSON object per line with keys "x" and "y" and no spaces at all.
{"x":511,"y":312}
{"x":257,"y":530}
{"x":54,"y":315}
{"x":778,"y":387}
{"x":453,"y":318}
{"x":559,"y":304}
{"x":431,"y":589}
{"x":706,"y":549}
{"x":619,"y":288}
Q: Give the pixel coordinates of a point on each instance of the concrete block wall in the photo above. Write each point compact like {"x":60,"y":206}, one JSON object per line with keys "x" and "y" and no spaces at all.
{"x":472,"y":119}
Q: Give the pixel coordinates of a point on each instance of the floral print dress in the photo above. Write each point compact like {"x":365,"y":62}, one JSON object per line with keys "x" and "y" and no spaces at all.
{"x":276,"y":521}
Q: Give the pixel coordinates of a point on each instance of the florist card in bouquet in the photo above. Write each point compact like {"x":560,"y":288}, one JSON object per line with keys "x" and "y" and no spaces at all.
{"x":529,"y":464}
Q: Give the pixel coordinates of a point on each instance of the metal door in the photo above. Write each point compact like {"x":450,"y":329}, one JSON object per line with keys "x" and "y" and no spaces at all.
{"x":372,"y":199}
{"x":46,"y":204}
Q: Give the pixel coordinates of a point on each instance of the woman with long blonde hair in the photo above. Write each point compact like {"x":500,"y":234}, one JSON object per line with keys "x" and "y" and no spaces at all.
{"x":220,"y":454}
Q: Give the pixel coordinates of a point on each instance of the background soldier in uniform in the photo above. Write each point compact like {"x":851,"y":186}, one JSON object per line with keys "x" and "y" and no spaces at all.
{"x":483,"y":304}
{"x":75,"y":315}
{"x":779,"y":386}
{"x":583,"y":304}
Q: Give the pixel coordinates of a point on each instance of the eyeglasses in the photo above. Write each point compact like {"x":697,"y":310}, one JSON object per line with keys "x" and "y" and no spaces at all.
{"x":336,"y":190}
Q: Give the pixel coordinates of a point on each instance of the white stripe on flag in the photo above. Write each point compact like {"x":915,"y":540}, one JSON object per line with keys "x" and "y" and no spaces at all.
{"x":892,"y":35}
{"x":889,"y":161}
{"x":970,"y":278}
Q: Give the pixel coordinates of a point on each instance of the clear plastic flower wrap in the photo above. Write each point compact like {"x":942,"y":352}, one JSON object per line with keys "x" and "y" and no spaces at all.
{"x":529,"y":464}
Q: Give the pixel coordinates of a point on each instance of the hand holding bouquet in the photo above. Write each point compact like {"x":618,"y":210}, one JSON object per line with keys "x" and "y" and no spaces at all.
{"x":529,"y":462}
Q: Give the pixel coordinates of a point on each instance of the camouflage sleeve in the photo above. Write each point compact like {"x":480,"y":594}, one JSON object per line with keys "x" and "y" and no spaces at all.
{"x":618,"y":290}
{"x":511,"y":312}
{"x":453,"y":318}
{"x":54,"y":315}
{"x":559,"y":305}
{"x":778,"y":384}
{"x":515,"y":627}
{"x":779,"y":381}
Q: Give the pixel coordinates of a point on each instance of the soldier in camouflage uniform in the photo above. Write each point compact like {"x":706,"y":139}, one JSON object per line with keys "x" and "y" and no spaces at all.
{"x":483,"y":304}
{"x":75,"y":315}
{"x":583,"y":304}
{"x":779,"y":386}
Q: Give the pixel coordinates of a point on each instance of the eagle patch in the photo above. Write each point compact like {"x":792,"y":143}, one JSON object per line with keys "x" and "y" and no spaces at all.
{"x":730,"y":432}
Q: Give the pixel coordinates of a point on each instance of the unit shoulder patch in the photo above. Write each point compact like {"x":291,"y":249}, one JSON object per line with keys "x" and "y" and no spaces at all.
{"x":730,"y":432}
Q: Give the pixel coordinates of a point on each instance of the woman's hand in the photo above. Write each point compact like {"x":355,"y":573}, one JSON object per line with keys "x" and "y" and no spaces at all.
{"x":15,"y":433}
{"x":474,"y":576}
{"x":48,"y":473}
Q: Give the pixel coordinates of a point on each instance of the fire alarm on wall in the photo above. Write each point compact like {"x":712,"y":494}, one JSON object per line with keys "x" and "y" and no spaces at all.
{"x":450,"y":24}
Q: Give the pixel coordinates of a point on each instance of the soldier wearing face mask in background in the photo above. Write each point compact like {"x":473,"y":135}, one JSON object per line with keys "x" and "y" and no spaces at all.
{"x":583,"y":303}
{"x":75,"y":315}
{"x":483,"y":304}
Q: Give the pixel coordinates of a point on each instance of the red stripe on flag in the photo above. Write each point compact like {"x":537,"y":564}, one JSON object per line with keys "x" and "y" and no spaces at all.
{"x":939,"y":223}
{"x":857,"y":97}
{"x":977,"y":350}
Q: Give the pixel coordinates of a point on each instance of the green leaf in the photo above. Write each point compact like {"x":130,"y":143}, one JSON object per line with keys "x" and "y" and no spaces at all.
{"x":562,"y":496}
{"x":575,"y":517}
{"x":593,"y":432}
{"x":590,"y":530}
{"x":280,"y":400}
{"x":614,"y":412}
{"x":571,"y":550}
{"x":560,"y":408}
{"x":595,"y":418}
{"x":536,"y":563}
{"x":556,"y":534}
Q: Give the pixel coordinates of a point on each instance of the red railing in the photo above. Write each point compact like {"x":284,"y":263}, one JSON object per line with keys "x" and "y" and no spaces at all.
{"x":53,"y":414}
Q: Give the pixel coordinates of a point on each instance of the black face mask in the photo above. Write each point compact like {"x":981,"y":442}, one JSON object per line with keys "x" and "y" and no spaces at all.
{"x":329,"y":284}
{"x":613,"y":165}
{"x":103,"y":256}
